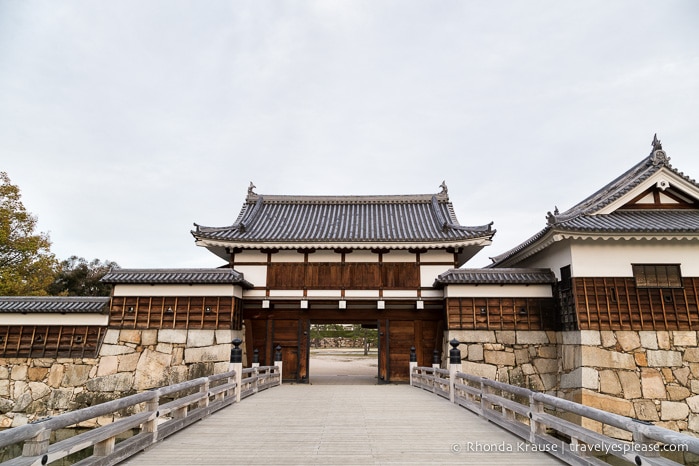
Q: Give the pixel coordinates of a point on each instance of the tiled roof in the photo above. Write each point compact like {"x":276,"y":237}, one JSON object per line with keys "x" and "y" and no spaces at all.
{"x":54,"y":304}
{"x":583,"y":218}
{"x":175,"y":276}
{"x":502,"y":276}
{"x":329,"y":220}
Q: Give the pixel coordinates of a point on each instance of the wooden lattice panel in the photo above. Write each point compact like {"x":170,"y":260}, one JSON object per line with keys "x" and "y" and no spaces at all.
{"x":50,"y":341}
{"x":175,"y":312}
{"x":616,"y":304}
{"x":501,"y":314}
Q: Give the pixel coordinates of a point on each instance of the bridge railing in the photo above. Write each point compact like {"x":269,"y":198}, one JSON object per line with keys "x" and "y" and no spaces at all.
{"x":547,"y":422}
{"x":146,"y":418}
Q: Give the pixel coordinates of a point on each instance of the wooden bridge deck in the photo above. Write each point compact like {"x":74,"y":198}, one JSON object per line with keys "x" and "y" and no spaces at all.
{"x":341,"y":424}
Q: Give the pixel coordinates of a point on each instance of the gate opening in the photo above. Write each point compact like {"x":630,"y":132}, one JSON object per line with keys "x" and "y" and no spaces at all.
{"x":344,"y":354}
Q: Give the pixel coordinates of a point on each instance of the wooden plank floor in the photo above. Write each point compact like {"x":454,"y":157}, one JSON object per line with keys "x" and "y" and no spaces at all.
{"x":340,"y":424}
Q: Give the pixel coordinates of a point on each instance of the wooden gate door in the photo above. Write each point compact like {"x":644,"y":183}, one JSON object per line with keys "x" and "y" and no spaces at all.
{"x":289,"y":335}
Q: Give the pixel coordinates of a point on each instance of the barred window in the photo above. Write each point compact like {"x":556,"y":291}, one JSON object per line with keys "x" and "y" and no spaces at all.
{"x":565,"y":278}
{"x":657,"y":275}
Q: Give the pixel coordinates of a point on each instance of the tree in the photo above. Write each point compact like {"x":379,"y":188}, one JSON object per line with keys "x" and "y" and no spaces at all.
{"x":27,"y":265}
{"x":78,"y":277}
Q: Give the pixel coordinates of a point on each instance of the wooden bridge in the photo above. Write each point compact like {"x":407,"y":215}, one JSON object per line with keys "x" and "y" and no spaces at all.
{"x":420,"y":423}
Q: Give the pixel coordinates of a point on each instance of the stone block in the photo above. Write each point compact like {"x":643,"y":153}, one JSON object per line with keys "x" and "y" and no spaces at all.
{"x":4,"y":372}
{"x":550,"y":352}
{"x":225,"y":336}
{"x":473,"y":336}
{"x":550,"y":381}
{"x":694,"y":386}
{"x":75,"y":375}
{"x":4,"y":388}
{"x":499,"y":358}
{"x":19,"y":372}
{"x":121,"y":382}
{"x":528,"y":369}
{"x":582,"y":377}
{"x":630,"y":384}
{"x":480,"y":370}
{"x":673,"y":410}
{"x":115,"y":350}
{"x":149,"y":337}
{"x":641,"y":359}
{"x":60,"y":399}
{"x":684,"y":338}
{"x":37,"y":374}
{"x":693,"y":423}
{"x":107,"y":365}
{"x":521,"y":356}
{"x":609,"y":382}
{"x":43,"y":362}
{"x":505,"y":337}
{"x":598,"y":357}
{"x":652,"y":384}
{"x":608,"y":403}
{"x":661,"y":358}
{"x":590,"y":338}
{"x":172,"y":336}
{"x":200,"y":338}
{"x":207,"y":354}
{"x":130,"y":336}
{"x":532,"y":337}
{"x":628,"y":341}
{"x":493,"y":347}
{"x":646,"y":410}
{"x":617,"y":433}
{"x":682,"y":375}
{"x":128,"y":362}
{"x":39,"y":390}
{"x":152,"y":370}
{"x":649,"y":339}
{"x":546,"y":366}
{"x":572,"y":357}
{"x":608,"y":339}
{"x":693,"y":403}
{"x":663,"y":340}
{"x":56,"y":375}
{"x":475,"y":352}
{"x":691,"y":355}
{"x":111,"y":337}
{"x":164,"y":348}
{"x":676,"y":393}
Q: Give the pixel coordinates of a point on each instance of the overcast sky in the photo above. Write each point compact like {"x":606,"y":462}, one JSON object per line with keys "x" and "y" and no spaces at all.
{"x":124,"y":122}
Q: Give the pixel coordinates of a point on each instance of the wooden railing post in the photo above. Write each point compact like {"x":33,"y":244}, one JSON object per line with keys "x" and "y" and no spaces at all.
{"x":255,"y":358}
{"x":436,"y":362}
{"x":256,"y":379}
{"x":278,"y":362}
{"x":237,"y":366}
{"x":152,"y":425}
{"x":454,"y":366}
{"x":535,"y":427}
{"x":37,"y":445}
{"x":413,"y":363}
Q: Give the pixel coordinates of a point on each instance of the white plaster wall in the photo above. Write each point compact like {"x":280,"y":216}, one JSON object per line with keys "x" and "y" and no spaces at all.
{"x":250,"y":256}
{"x":325,"y":256}
{"x":428,"y":274}
{"x":324,"y":293}
{"x":554,"y":257}
{"x":361,"y":255}
{"x":255,"y":274}
{"x":505,"y":291}
{"x":54,"y":319}
{"x":437,"y":256}
{"x":400,"y":293}
{"x":399,"y":255}
{"x":286,"y":256}
{"x":614,"y":258}
{"x":178,"y":290}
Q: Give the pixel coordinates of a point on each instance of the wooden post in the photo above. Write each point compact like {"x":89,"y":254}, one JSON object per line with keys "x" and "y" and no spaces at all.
{"x":203,"y":403}
{"x":256,"y":378}
{"x":37,"y":445}
{"x":237,"y":366}
{"x":256,"y":358}
{"x":436,"y":363}
{"x":413,"y":363}
{"x":454,"y":366}
{"x":278,"y":362}
{"x":152,"y":425}
{"x":105,"y":447}
{"x":535,"y":428}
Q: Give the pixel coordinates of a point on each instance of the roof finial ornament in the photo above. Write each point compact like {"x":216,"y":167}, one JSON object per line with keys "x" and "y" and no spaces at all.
{"x":658,"y":155}
{"x":445,"y":190}
{"x":251,"y":189}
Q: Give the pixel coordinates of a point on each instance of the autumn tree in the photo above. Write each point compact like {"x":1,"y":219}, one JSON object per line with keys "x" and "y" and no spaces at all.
{"x":78,"y":277}
{"x":27,"y":265}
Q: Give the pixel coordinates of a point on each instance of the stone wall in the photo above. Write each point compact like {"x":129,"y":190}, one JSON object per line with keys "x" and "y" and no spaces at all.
{"x":528,"y":359}
{"x":648,"y":375}
{"x":129,"y":361}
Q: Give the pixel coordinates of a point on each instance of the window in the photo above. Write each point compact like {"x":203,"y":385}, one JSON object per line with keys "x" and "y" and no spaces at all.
{"x":657,"y":275}
{"x":565,"y":278}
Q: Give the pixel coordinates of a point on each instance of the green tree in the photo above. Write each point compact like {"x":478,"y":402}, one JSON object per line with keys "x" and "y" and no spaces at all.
{"x":27,"y":265}
{"x":78,"y":277}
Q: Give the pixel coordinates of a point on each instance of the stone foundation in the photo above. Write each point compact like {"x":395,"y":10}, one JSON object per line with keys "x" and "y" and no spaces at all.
{"x":129,"y":361}
{"x":648,"y":375}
